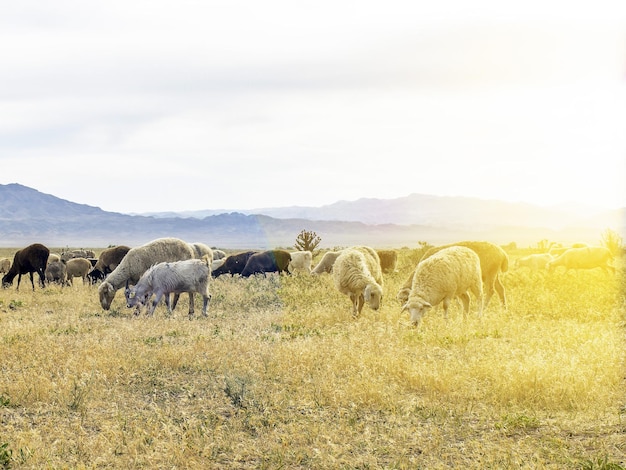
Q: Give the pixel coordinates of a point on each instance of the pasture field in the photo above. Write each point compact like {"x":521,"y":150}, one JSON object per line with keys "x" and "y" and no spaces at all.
{"x":281,"y":376}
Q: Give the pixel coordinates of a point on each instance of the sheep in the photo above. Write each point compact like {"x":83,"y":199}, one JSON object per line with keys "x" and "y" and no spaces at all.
{"x":218,"y":254}
{"x":300,"y":261}
{"x":493,"y":261}
{"x":137,"y":261}
{"x":56,"y":272}
{"x":267,"y":262}
{"x":356,"y":273}
{"x":31,"y":259}
{"x":107,"y":262}
{"x":325,"y":265}
{"x":165,"y":278}
{"x":77,"y":267}
{"x":5,"y":265}
{"x":534,"y":262}
{"x":584,"y":258}
{"x":201,"y":250}
{"x":446,"y":274}
{"x":52,"y":257}
{"x":233,"y":264}
{"x":388,"y":260}
{"x":68,"y":255}
{"x":217,"y":263}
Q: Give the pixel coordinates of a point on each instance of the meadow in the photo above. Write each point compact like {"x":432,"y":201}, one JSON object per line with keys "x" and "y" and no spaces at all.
{"x":280,"y":375}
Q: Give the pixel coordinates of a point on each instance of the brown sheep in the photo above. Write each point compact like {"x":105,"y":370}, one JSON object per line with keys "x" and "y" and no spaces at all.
{"x":29,"y":260}
{"x":5,"y":265}
{"x":77,"y":267}
{"x":388,"y":260}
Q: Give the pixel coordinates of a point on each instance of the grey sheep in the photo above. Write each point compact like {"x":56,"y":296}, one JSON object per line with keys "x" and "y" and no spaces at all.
{"x":162,"y":279}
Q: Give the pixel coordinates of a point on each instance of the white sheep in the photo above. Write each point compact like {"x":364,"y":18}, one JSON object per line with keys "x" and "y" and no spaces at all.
{"x":493,"y":261}
{"x":449,"y":273}
{"x":217,"y":263}
{"x":218,"y":254}
{"x":138,"y":260}
{"x":357,"y":273}
{"x":191,"y":276}
{"x":325,"y":265}
{"x":52,"y":257}
{"x":584,"y":258}
{"x":5,"y":265}
{"x":56,"y":272}
{"x":300,"y":261}
{"x":201,"y":250}
{"x":534,"y":262}
{"x":77,"y":267}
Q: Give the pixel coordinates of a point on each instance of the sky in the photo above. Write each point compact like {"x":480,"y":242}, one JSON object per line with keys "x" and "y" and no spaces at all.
{"x":146,"y":106}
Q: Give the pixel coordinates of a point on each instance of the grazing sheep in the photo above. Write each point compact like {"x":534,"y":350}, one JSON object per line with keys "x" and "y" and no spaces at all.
{"x":269,"y":261}
{"x":534,"y":262}
{"x":300,"y":261}
{"x":201,"y":250}
{"x":493,"y":261}
{"x":33,"y":258}
{"x":5,"y":265}
{"x":56,"y":272}
{"x":356,"y":273}
{"x":138,"y":260}
{"x":191,"y":276}
{"x":325,"y":265}
{"x":447,"y":274}
{"x":78,"y":267}
{"x":584,"y":258}
{"x":388,"y":260}
{"x":218,"y":254}
{"x":233,"y":264}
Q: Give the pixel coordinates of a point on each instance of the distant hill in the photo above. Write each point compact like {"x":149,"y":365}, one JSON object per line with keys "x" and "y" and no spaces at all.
{"x":27,"y":216}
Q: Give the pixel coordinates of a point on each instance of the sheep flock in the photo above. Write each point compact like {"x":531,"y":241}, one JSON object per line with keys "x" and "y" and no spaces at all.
{"x":171,"y":266}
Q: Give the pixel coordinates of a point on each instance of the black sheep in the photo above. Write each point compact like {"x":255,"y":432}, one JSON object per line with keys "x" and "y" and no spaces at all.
{"x":269,"y":261}
{"x":234,"y":264}
{"x":32,"y":259}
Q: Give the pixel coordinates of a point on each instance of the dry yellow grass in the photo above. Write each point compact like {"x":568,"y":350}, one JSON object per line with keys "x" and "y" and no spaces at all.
{"x":281,"y":376}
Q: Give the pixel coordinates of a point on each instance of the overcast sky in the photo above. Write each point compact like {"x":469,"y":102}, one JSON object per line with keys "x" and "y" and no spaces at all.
{"x":137,"y":106}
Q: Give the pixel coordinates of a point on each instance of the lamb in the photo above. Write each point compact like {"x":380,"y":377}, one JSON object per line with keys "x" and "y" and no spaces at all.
{"x":447,"y":274}
{"x":56,"y":272}
{"x":493,"y":261}
{"x":584,"y":258}
{"x":77,"y":267}
{"x":356,"y":273}
{"x":267,"y":262}
{"x":5,"y":265}
{"x":534,"y":262}
{"x":138,"y":260}
{"x":165,"y":278}
{"x":300,"y":261}
{"x":33,"y":258}
{"x":388,"y":260}
{"x":325,"y":265}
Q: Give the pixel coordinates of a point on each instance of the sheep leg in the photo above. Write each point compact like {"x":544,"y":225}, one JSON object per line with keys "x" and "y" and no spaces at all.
{"x":191,"y":309}
{"x":205,"y":304}
{"x":175,"y":302}
{"x":354,"y":300}
{"x":156,"y":300}
{"x":361,"y":302}
{"x":446,"y":305}
{"x":465,"y":300}
{"x":500,"y":290}
{"x":32,"y":280}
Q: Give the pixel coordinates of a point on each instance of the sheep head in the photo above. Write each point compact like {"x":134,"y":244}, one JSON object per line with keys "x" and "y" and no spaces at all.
{"x":417,"y":308}
{"x":373,"y":295}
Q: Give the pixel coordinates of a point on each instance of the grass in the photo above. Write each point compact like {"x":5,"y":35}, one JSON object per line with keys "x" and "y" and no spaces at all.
{"x":281,"y":376}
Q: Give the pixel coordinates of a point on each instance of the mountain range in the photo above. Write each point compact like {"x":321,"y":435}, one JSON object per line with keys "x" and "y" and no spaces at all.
{"x":27,"y":216}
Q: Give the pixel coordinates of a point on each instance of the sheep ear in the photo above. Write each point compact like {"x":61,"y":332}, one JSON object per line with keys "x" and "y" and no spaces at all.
{"x":367,"y":293}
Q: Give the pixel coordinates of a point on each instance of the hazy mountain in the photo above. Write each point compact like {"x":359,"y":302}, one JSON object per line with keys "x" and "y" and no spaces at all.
{"x":27,"y":216}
